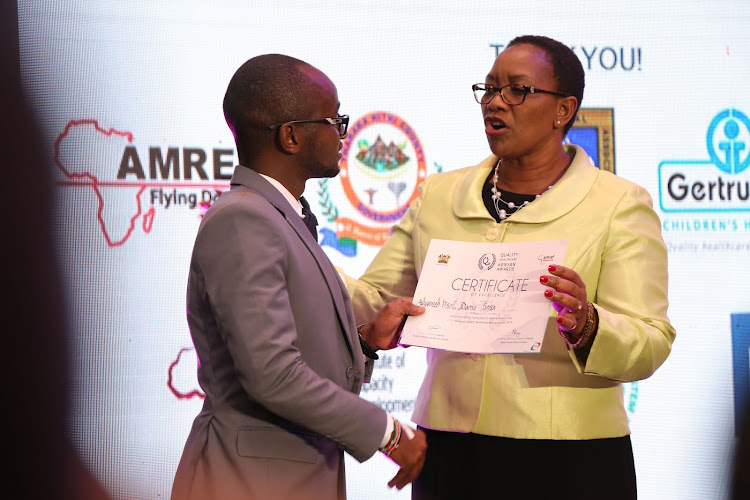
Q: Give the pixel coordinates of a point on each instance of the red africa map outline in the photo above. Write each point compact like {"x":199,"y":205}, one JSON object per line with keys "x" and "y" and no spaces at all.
{"x":90,"y":179}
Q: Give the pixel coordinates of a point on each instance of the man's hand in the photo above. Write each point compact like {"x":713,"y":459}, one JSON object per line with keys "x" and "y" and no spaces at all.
{"x":384,"y":330}
{"x":410,"y":456}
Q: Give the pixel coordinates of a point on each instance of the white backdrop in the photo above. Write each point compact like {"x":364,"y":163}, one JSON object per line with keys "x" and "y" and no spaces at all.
{"x":122,"y":89}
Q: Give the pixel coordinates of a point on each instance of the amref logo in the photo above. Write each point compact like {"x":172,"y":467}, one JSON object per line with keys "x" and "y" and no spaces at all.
{"x":131,"y":183}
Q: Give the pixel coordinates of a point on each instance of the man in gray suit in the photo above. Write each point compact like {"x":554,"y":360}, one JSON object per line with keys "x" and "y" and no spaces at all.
{"x":280,"y":358}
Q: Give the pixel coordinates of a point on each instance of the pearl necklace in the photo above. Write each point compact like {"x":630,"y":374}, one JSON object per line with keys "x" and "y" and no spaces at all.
{"x":497,"y":198}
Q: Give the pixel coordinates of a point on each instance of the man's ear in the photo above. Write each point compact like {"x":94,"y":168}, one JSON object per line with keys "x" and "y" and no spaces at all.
{"x":289,"y":139}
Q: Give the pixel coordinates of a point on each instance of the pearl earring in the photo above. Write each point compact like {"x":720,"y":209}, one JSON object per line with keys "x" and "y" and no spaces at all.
{"x":558,"y":122}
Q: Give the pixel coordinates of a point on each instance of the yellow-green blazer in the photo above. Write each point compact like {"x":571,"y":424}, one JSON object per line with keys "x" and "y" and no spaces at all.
{"x":614,"y":243}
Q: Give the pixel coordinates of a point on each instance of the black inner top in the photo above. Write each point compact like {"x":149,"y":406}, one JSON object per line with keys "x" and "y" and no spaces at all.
{"x":516,"y":198}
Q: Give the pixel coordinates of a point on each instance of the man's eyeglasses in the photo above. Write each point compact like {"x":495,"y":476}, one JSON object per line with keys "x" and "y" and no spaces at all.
{"x":512,"y":94}
{"x":341,"y":122}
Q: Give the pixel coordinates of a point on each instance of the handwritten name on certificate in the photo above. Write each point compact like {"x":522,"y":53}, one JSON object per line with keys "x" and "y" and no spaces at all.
{"x":483,"y":297}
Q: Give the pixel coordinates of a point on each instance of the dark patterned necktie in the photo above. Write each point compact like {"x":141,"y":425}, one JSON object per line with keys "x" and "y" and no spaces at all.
{"x":309,"y":218}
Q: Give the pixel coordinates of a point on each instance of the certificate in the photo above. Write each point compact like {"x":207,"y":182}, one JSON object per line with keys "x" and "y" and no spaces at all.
{"x":483,"y":297}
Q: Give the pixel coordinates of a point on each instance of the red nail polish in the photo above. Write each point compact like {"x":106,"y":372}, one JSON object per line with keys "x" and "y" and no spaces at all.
{"x":543,"y":279}
{"x":548,"y":294}
{"x":559,"y":320}
{"x":552,"y":269}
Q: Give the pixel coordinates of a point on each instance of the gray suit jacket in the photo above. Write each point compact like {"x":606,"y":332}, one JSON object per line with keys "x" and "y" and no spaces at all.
{"x":279,"y":357}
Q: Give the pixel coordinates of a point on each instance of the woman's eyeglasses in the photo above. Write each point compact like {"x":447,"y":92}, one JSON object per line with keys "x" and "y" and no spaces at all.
{"x":512,"y":94}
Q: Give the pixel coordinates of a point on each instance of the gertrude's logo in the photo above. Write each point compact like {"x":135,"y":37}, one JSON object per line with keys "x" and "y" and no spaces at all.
{"x":696,"y":186}
{"x":382,"y":164}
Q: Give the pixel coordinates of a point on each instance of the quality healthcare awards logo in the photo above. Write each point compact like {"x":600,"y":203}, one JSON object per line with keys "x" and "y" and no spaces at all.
{"x":487,"y":261}
{"x":382,"y":165}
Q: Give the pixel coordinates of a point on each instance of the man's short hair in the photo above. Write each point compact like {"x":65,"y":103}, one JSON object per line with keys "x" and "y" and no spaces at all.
{"x":266,"y":89}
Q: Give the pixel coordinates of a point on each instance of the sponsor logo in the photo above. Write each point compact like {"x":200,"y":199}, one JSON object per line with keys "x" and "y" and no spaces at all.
{"x":593,"y":130}
{"x":443,"y":258}
{"x":720,"y":183}
{"x":131,"y":184}
{"x":382,"y":165}
{"x":545,"y":258}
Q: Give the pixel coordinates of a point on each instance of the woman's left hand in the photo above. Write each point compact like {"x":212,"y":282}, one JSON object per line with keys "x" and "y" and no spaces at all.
{"x":568,"y":295}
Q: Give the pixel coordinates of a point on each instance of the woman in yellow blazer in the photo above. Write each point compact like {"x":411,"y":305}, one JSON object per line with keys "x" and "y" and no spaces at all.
{"x":549,"y":425}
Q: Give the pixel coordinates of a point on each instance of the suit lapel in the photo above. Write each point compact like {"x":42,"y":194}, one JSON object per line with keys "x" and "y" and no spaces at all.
{"x":249,"y":178}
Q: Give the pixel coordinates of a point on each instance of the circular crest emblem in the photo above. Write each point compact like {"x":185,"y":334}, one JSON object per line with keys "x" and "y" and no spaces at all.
{"x":487,"y":261}
{"x":382,"y":165}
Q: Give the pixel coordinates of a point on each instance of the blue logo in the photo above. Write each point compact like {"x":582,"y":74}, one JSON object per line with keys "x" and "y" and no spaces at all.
{"x":733,"y":155}
{"x":718,"y":184}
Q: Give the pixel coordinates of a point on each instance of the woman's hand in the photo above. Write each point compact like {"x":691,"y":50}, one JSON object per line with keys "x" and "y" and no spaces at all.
{"x":568,"y":295}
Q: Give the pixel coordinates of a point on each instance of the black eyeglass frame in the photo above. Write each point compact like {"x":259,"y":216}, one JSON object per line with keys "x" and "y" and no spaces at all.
{"x":342,"y":121}
{"x":526,"y":90}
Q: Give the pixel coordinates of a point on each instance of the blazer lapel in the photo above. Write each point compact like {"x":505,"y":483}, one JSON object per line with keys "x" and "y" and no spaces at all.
{"x":564,"y":196}
{"x":244,"y":176}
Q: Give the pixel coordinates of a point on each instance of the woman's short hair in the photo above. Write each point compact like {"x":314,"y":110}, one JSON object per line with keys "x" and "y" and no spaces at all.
{"x":565,"y":64}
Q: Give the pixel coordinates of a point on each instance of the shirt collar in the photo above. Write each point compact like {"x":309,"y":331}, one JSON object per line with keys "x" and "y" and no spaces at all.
{"x":294,"y":202}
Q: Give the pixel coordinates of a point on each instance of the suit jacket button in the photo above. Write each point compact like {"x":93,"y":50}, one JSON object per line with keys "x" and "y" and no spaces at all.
{"x":350,"y":372}
{"x":492,"y":233}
